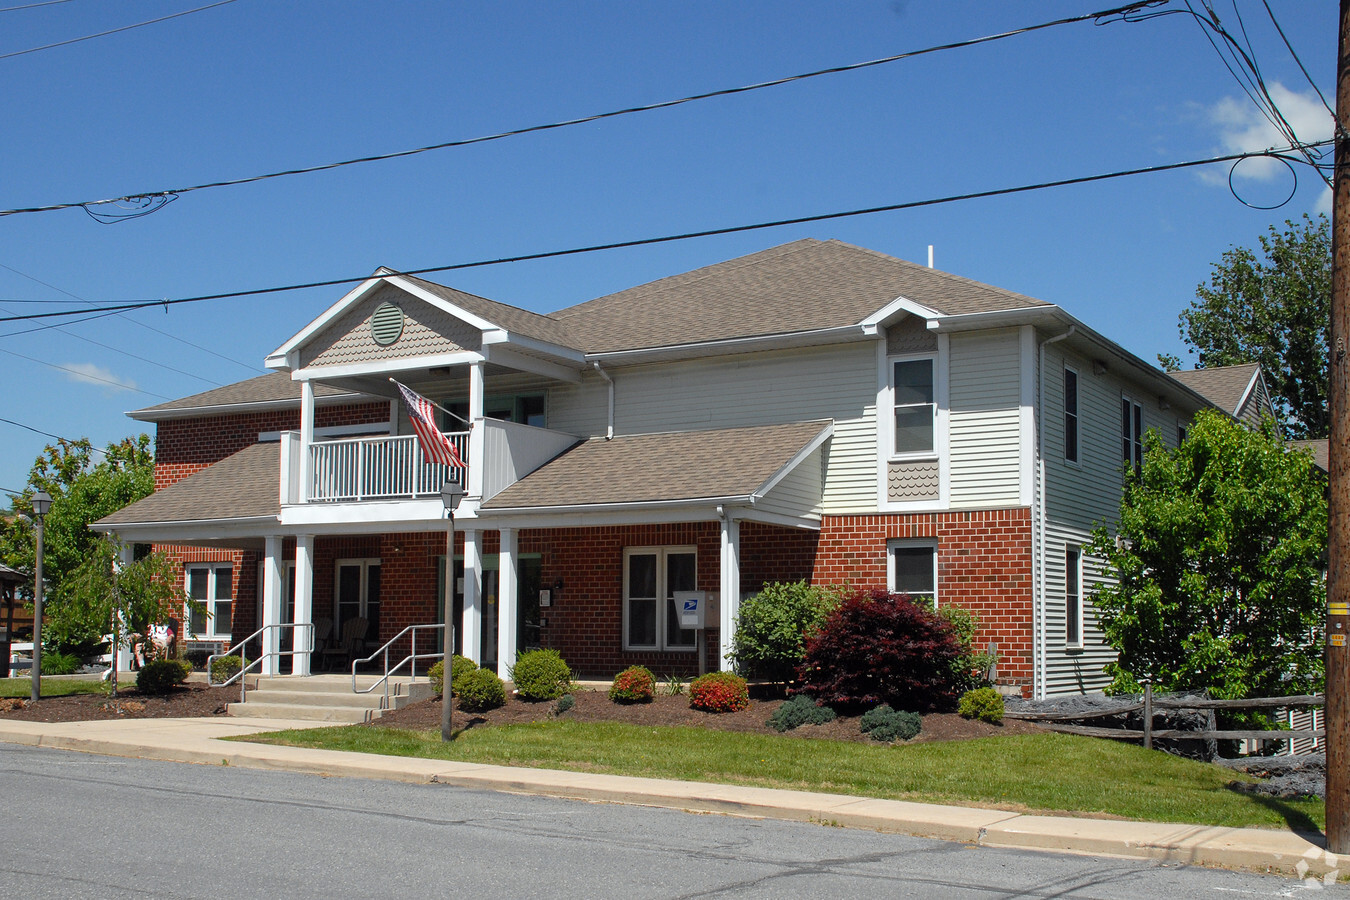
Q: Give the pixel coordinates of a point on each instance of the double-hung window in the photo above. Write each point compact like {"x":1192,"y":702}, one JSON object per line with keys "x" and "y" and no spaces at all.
{"x":912,"y":569}
{"x":212,"y":589}
{"x":915,"y":405}
{"x":1073,"y":596}
{"x":1131,"y":434}
{"x":1070,"y":415}
{"x":651,"y":576}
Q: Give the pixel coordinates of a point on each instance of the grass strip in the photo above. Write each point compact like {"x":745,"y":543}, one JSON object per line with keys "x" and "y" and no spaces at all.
{"x":1055,"y":773}
{"x":51,"y":687}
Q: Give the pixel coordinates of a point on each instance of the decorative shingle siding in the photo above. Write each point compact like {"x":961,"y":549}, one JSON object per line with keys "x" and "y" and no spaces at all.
{"x":912,"y":480}
{"x":910,"y":335}
{"x":426,"y":330}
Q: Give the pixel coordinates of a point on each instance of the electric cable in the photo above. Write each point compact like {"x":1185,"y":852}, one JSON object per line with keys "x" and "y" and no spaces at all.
{"x":1275,"y":153}
{"x":90,"y":37}
{"x":32,"y":5}
{"x":1294,"y":54}
{"x":85,"y":375}
{"x":146,"y":202}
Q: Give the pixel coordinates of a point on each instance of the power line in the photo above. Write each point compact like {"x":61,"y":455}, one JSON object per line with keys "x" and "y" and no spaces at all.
{"x":145,"y":325}
{"x":50,"y":435}
{"x":1294,"y":54}
{"x":1274,"y":153}
{"x":90,"y":37}
{"x":146,"y":202}
{"x":85,"y":375}
{"x":32,"y":5}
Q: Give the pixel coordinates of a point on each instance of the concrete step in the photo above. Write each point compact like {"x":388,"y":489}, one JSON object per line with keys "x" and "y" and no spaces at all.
{"x":314,"y":698}
{"x":324,"y":684}
{"x":253,"y":709}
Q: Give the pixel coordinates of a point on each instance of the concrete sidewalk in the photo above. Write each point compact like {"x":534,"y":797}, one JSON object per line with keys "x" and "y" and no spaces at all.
{"x":198,"y":741}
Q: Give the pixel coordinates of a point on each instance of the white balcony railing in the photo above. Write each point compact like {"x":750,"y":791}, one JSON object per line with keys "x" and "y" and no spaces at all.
{"x":378,"y":468}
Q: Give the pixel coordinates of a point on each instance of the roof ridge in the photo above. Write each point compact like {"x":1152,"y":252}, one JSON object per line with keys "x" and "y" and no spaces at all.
{"x":941,"y":273}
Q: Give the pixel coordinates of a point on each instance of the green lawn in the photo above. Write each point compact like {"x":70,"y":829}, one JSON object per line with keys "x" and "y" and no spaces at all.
{"x":51,"y":687}
{"x":1044,"y":772}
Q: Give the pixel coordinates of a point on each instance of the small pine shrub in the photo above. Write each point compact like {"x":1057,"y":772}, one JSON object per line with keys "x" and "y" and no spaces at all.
{"x":877,"y":647}
{"x":674,"y":686}
{"x":480,"y":691}
{"x":565,"y":702}
{"x":540,"y":675}
{"x":161,"y":675}
{"x":56,"y":663}
{"x":719,"y":692}
{"x":886,"y":724}
{"x":225,"y":668}
{"x":800,"y":710}
{"x":634,"y":684}
{"x":985,"y":704}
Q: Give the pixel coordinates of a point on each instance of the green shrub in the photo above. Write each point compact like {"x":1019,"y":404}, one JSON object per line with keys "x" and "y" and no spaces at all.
{"x":800,"y":710}
{"x":459,"y":667}
{"x":55,"y":662}
{"x":224,"y":668}
{"x":774,"y":625}
{"x":540,"y":675}
{"x":719,"y":692}
{"x":970,"y":670}
{"x":985,"y":704}
{"x":886,"y":724}
{"x":480,"y":690}
{"x":565,"y":702}
{"x":161,"y":675}
{"x":634,"y":684}
{"x":436,"y":676}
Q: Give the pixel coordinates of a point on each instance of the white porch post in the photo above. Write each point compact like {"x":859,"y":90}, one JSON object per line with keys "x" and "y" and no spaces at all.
{"x":306,"y":440}
{"x":506,"y":602}
{"x":304,"y":604}
{"x":126,"y":555}
{"x":272,"y":580}
{"x":476,"y":446}
{"x":730,"y":589}
{"x":472,"y":627}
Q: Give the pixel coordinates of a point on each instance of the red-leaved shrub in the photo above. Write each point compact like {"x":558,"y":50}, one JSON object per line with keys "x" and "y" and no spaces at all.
{"x":878,"y":647}
{"x":719,"y":692}
{"x":634,"y":684}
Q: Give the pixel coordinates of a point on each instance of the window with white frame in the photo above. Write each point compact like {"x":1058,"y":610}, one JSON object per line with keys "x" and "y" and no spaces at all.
{"x":912,"y":569}
{"x":651,"y":576}
{"x":1070,"y":415}
{"x":1131,"y":434}
{"x":915,"y":406}
{"x":1073,"y":596}
{"x":211,"y":586}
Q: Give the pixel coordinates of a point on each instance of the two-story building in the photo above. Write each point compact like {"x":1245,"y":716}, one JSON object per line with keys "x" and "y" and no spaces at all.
{"x":813,"y":411}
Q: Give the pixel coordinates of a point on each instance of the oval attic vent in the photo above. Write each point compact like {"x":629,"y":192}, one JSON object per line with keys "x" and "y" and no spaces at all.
{"x":386,"y":324}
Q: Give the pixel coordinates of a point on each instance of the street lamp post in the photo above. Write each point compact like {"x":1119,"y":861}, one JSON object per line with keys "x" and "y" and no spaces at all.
{"x":42,"y":502}
{"x":451,"y":494}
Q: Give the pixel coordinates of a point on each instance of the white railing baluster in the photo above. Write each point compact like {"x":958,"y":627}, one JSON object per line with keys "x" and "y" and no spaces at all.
{"x":376,"y":468}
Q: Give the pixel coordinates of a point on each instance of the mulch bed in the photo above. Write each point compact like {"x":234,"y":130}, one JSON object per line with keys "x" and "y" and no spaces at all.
{"x":189,"y":701}
{"x":595,"y":706}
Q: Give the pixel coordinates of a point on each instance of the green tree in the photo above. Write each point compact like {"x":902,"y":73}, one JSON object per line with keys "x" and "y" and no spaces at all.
{"x":83,"y":490}
{"x":1276,"y":311}
{"x":774,"y":625}
{"x":1218,"y":566}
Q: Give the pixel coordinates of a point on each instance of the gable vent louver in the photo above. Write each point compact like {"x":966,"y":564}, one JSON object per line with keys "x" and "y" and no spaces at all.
{"x":386,"y":324}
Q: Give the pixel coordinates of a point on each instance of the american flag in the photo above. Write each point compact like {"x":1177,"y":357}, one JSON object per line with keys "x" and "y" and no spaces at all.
{"x":436,"y":447}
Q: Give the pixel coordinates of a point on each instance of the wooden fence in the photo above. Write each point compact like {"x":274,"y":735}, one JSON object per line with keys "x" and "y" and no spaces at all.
{"x":1150,"y":704}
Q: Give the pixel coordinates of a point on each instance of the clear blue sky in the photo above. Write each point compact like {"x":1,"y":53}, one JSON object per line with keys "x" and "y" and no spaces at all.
{"x":256,"y":86}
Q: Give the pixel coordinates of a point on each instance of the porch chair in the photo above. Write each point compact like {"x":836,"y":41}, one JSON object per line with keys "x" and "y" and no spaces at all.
{"x":323,"y":633}
{"x":353,"y":639}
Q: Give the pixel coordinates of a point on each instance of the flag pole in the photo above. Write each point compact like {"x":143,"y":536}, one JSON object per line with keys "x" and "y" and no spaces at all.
{"x":441,"y":408}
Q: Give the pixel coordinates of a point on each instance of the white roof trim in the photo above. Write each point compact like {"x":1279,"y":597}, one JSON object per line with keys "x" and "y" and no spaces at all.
{"x":898,"y":305}
{"x":387,"y":366}
{"x":811,"y":447}
{"x":278,"y":356}
{"x":1246,"y":395}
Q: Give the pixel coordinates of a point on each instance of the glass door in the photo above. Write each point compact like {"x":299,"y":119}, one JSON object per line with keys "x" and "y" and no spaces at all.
{"x":356,"y":592}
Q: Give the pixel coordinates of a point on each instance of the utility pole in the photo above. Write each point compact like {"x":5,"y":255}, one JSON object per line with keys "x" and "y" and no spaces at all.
{"x":1338,"y":536}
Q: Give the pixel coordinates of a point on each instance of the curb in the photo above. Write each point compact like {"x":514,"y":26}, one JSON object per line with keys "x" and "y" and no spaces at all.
{"x":198,"y":741}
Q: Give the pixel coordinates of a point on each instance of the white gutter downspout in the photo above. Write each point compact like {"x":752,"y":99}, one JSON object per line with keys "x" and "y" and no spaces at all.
{"x":609,"y":431}
{"x":1038,"y":533}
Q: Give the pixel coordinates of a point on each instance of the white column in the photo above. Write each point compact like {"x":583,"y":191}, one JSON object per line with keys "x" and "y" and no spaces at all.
{"x":126,"y":555}
{"x":477,"y":449}
{"x":304,"y":604}
{"x":272,"y":581}
{"x":472,"y":627}
{"x":306,"y":439}
{"x":507,"y":617}
{"x":730,"y":589}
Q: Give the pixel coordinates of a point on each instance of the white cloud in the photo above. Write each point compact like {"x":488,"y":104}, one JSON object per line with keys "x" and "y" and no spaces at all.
{"x":1324,"y":203}
{"x":1243,"y":129}
{"x":88,"y":373}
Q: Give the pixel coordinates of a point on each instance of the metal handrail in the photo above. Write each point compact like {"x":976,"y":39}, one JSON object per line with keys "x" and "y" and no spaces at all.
{"x":411,"y":658}
{"x":243,"y":654}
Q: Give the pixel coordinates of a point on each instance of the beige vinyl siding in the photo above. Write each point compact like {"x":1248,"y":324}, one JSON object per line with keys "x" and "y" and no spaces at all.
{"x":579,"y":408}
{"x":1072,"y":670}
{"x":798,"y":494}
{"x":985,"y":418}
{"x":837,"y":382}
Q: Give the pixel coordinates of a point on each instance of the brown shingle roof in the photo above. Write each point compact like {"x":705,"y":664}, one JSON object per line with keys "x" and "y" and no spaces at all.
{"x":1224,"y":386}
{"x":1321,"y":450}
{"x":652,"y":468}
{"x":801,"y":286}
{"x":513,"y":319}
{"x":243,"y":486}
{"x":276,"y":387}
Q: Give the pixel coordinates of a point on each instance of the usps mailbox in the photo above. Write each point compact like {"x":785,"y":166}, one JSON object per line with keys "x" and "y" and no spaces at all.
{"x":693,"y":608}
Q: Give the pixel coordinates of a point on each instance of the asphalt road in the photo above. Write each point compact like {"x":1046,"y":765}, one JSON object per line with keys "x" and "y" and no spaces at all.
{"x":74,"y":825}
